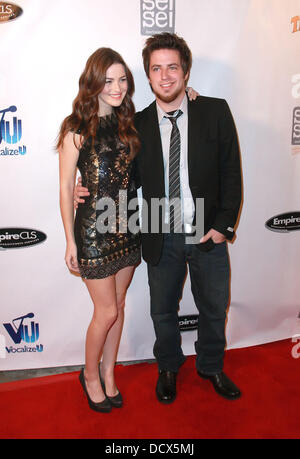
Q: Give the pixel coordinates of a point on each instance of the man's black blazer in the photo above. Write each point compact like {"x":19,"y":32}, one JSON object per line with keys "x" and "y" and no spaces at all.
{"x":213,"y":167}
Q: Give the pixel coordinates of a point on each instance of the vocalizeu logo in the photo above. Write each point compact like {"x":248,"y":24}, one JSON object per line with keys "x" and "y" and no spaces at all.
{"x":20,"y":331}
{"x":284,"y":223}
{"x":11,"y":134}
{"x":157,"y":16}
{"x":19,"y":238}
{"x":9,"y":12}
{"x":188,"y":323}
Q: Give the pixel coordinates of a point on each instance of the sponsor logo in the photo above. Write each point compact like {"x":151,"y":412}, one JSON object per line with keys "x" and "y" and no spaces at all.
{"x":157,"y":16}
{"x":188,"y":323}
{"x":295,"y":21}
{"x":284,"y":223}
{"x":11,"y":134}
{"x":19,"y":238}
{"x":9,"y":12}
{"x":296,"y":115}
{"x":20,"y":331}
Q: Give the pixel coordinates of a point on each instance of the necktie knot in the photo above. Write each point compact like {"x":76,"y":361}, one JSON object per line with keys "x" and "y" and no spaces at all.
{"x":172,"y":117}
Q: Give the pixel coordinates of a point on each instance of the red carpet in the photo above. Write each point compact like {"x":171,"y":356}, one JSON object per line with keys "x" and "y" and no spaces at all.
{"x":268,"y":375}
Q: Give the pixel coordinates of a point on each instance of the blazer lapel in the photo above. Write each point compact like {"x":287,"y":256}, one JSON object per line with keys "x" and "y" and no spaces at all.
{"x":197,"y":129}
{"x":155,"y":149}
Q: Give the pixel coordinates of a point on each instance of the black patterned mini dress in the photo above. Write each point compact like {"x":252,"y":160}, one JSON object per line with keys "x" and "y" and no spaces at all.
{"x":104,"y":243}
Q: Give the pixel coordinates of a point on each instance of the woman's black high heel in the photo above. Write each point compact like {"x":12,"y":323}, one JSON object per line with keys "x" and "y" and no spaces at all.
{"x":101,"y":407}
{"x":117,"y":400}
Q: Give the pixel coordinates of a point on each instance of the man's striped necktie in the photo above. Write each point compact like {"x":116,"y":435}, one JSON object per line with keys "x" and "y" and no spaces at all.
{"x":174,"y":174}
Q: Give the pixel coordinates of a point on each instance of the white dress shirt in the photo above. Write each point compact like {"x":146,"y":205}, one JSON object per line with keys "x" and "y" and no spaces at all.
{"x":165,"y":126}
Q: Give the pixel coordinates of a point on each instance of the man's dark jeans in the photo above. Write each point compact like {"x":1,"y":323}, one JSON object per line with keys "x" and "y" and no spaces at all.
{"x":209,"y":273}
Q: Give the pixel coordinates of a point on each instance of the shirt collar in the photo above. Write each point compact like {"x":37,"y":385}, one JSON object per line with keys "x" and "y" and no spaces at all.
{"x":161,"y":113}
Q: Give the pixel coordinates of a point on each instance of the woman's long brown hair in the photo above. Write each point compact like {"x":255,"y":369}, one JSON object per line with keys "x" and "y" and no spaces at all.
{"x":84,"y":116}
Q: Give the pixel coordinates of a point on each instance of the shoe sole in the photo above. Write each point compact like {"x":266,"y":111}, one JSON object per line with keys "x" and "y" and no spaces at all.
{"x":228,"y":397}
{"x":165,"y":402}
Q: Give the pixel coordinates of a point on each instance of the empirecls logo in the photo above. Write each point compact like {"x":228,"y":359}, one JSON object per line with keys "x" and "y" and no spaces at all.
{"x":190,"y":322}
{"x":11,"y":134}
{"x":21,"y":331}
{"x":9,"y":12}
{"x":284,"y":223}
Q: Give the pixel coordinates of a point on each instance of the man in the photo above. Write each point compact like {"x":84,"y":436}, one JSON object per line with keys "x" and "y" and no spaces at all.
{"x":189,"y":150}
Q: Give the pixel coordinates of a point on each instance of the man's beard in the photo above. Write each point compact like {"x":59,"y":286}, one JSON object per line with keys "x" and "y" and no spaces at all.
{"x":167,"y":98}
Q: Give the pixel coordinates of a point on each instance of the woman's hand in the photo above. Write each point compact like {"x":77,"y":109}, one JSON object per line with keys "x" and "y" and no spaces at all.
{"x":192,"y":94}
{"x":71,"y":257}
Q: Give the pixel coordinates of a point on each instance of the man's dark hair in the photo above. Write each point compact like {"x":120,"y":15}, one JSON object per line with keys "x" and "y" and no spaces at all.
{"x":167,"y":41}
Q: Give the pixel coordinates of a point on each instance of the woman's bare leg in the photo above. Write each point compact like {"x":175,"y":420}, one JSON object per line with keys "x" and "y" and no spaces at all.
{"x":104,"y":297}
{"x":111,"y":347}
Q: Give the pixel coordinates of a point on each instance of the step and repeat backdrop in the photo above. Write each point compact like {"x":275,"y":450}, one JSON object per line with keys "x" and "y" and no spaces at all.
{"x":246,"y":51}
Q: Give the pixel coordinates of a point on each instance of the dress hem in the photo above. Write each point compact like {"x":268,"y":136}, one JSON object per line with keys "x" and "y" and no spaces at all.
{"x":103,"y":271}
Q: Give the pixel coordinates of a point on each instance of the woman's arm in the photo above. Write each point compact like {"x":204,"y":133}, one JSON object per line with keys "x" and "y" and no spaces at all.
{"x":68,"y":157}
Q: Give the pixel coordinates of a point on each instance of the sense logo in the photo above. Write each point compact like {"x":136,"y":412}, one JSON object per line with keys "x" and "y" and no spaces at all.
{"x":20,"y":331}
{"x":11,"y":134}
{"x":157,"y":16}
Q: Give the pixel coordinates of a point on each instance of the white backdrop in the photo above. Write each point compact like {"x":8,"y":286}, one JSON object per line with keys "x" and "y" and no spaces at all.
{"x":246,"y":51}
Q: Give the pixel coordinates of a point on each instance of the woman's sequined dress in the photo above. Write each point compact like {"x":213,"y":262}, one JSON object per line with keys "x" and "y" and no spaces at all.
{"x":105,"y":170}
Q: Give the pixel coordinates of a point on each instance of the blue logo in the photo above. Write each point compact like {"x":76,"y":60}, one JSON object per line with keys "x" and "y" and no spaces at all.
{"x":21,"y":331}
{"x":11,"y":134}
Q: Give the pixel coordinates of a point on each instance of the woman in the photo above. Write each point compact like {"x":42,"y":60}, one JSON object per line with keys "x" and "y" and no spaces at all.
{"x":100,"y":139}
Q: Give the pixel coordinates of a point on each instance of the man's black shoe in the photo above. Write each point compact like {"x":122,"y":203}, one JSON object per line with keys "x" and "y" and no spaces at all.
{"x":222,"y":385}
{"x":166,"y":386}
